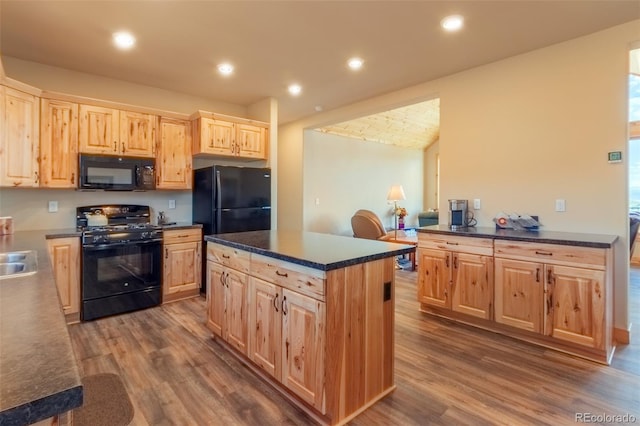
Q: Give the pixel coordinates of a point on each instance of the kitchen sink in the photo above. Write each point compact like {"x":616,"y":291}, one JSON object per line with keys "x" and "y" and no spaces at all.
{"x":18,"y":263}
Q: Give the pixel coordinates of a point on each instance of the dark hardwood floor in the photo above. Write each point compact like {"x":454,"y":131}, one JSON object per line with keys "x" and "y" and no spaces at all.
{"x":446,"y":374}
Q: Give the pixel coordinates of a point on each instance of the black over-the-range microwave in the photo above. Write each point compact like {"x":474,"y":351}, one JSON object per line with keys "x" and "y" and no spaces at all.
{"x":113,"y":173}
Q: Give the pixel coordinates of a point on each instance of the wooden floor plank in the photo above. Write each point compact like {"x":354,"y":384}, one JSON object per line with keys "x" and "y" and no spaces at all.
{"x":446,"y":373}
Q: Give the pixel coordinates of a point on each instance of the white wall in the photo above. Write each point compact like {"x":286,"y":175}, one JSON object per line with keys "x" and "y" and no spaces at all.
{"x":345,"y":175}
{"x":522,"y":132}
{"x":29,"y":206}
{"x":430,"y":178}
{"x":61,"y":80}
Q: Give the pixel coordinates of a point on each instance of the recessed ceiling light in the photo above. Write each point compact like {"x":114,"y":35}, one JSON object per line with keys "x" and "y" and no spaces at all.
{"x":225,"y":68}
{"x":295,"y":89}
{"x":124,"y":40}
{"x":319,"y":108}
{"x":355,"y":63}
{"x":452,"y":22}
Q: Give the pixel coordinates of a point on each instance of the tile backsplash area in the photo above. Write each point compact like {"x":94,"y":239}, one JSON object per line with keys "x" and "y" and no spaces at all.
{"x":29,"y":207}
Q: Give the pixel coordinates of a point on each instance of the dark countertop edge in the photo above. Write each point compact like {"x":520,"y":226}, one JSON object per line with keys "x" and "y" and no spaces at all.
{"x":529,"y":236}
{"x":61,"y":233}
{"x":43,"y":408}
{"x":182,"y":225}
{"x":321,"y":266}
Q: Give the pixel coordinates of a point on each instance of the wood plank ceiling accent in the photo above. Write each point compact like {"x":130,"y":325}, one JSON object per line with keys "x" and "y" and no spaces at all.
{"x":414,"y":126}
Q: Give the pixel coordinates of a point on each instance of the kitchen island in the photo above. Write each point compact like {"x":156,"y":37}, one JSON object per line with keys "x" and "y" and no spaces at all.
{"x":312,"y":314}
{"x":39,"y":377}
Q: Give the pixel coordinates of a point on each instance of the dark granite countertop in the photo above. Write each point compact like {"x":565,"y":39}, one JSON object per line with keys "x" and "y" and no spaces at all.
{"x":541,"y":236}
{"x":39,"y":376}
{"x":62,"y":233}
{"x":319,"y":251}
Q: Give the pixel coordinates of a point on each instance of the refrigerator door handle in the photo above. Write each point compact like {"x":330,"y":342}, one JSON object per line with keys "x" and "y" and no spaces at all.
{"x":266,"y":208}
{"x":218,"y":199}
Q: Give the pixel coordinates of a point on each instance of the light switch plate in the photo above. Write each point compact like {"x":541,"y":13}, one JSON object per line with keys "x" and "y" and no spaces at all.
{"x":476,"y":203}
{"x":560,"y":205}
{"x":172,"y":204}
{"x":53,"y":206}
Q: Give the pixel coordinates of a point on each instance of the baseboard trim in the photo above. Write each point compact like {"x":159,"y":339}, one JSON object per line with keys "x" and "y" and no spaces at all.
{"x":622,"y":336}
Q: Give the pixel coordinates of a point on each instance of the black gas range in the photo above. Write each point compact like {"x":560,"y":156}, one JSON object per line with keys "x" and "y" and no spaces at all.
{"x":121,"y":259}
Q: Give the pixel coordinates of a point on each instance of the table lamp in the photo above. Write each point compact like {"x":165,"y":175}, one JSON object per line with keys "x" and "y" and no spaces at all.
{"x":396,"y":193}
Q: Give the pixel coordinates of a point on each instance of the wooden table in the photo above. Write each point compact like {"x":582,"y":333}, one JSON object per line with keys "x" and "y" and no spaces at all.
{"x":402,"y":238}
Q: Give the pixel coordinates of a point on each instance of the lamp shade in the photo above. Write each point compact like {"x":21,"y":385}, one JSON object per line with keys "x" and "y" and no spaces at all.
{"x":396,"y":193}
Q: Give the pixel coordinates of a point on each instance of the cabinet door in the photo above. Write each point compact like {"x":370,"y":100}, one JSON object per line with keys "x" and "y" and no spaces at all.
{"x":58,"y":144}
{"x":99,"y":130}
{"x":251,"y":141}
{"x":64,"y":255}
{"x":216,"y":137}
{"x":137,"y":134}
{"x":519,"y":288}
{"x":265,"y":338}
{"x":303,"y":320}
{"x":435,"y":277}
{"x":237,"y":309}
{"x":173,"y":160}
{"x":215,"y":298}
{"x":180,"y":265}
{"x":575,"y":305}
{"x":19,"y":138}
{"x":472,"y":285}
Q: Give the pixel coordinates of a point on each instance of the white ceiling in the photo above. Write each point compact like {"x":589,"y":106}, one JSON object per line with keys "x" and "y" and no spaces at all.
{"x":275,"y":43}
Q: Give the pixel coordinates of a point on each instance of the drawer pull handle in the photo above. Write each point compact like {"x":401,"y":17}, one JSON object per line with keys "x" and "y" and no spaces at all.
{"x":544,"y":253}
{"x":282,"y":274}
{"x":226,"y":256}
{"x":452,"y":244}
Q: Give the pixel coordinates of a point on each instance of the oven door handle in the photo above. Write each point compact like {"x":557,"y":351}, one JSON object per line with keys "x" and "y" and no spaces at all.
{"x":129,"y":243}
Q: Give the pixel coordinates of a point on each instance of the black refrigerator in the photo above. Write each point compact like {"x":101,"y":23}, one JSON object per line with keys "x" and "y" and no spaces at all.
{"x":232,"y":199}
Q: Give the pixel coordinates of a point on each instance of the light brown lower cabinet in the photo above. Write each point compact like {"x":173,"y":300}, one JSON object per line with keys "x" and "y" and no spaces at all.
{"x":64,"y":255}
{"x":323,"y":338}
{"x":555,"y":295}
{"x":182,"y":264}
{"x":228,"y":305}
{"x":286,"y":338}
{"x":456,"y":275}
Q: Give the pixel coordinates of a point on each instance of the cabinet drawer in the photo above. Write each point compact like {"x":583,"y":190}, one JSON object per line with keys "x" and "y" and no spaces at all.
{"x":181,"y":236}
{"x":551,"y":253}
{"x":229,"y":256}
{"x":455,"y":243}
{"x":308,"y":281}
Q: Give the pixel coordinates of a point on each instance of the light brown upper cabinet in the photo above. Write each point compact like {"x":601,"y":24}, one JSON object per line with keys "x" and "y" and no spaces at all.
{"x":116,"y":132}
{"x":58,"y":144}
{"x":225,"y":136}
{"x":173,"y":159}
{"x":19,"y":138}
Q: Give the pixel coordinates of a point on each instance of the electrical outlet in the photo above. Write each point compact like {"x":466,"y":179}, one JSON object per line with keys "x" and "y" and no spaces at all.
{"x":476,"y":203}
{"x":53,"y":206}
{"x":560,"y":205}
{"x":172,"y":204}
